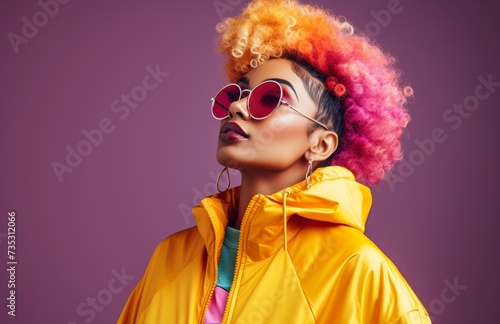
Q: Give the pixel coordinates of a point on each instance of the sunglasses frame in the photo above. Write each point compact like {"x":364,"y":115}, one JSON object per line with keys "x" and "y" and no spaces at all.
{"x":279,"y":103}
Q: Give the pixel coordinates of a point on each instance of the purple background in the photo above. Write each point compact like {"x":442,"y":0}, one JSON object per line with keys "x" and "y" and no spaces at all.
{"x":438,"y":225}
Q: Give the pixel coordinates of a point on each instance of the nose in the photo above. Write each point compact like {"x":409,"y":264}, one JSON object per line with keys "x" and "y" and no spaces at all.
{"x":239,"y":108}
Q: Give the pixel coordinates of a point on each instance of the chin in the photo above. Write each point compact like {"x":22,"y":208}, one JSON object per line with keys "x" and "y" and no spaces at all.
{"x":228,"y":160}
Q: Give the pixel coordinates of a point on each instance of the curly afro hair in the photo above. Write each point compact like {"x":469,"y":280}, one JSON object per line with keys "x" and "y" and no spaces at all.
{"x":357,"y":78}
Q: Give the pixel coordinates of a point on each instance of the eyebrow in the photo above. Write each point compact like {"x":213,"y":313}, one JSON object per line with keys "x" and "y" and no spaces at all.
{"x":246,"y":81}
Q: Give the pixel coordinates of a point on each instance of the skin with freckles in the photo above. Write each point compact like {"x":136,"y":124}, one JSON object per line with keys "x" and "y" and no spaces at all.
{"x":275,"y":153}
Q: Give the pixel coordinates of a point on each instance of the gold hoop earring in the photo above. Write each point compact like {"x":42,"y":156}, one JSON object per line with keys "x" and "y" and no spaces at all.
{"x":309,"y":172}
{"x":228,"y":179}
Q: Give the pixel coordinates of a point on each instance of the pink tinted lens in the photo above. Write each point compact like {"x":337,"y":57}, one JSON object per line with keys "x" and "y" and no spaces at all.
{"x":264,"y":99}
{"x":223,"y":99}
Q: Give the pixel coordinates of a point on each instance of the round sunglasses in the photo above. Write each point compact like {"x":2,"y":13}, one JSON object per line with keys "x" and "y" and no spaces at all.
{"x":262,"y":101}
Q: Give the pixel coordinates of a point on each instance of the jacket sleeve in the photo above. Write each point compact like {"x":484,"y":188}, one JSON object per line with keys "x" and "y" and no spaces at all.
{"x":168,"y":260}
{"x":386,"y":294}
{"x":131,"y":308}
{"x":413,"y":317}
{"x":140,"y":297}
{"x":137,"y":300}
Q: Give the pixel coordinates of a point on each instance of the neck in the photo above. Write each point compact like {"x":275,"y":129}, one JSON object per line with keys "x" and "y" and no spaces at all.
{"x":266,"y":183}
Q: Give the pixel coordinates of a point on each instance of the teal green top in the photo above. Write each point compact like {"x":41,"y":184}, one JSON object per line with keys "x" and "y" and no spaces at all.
{"x":227,"y":259}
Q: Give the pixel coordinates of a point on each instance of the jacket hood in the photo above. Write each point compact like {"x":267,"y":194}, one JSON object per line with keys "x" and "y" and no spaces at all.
{"x":334,"y":197}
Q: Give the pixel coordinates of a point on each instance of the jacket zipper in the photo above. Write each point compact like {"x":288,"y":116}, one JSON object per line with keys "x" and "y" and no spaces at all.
{"x":243,"y":233}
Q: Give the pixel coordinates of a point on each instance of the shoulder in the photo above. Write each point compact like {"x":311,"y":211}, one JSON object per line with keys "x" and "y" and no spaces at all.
{"x":347,"y":263}
{"x":339,"y":242}
{"x":178,"y":248}
{"x":346,"y":249}
{"x":171,"y":256}
{"x":190,"y":238}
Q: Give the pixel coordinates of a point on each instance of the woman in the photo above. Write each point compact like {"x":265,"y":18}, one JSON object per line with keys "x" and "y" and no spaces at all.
{"x":313,"y":115}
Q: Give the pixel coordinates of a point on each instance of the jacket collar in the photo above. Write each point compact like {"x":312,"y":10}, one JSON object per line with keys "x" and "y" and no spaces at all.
{"x":334,"y":198}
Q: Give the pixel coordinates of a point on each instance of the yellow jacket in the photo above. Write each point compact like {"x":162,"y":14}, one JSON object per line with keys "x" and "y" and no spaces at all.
{"x":302,"y":258}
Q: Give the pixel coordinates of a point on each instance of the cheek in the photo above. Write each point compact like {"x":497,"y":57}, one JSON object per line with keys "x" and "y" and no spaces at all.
{"x":284,"y":148}
{"x":285,"y":130}
{"x":282,"y":123}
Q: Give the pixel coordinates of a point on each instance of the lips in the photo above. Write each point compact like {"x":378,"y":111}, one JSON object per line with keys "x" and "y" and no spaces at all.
{"x":232,"y":131}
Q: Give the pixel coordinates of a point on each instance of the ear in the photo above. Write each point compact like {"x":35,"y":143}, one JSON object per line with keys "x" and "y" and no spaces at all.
{"x":322,"y":145}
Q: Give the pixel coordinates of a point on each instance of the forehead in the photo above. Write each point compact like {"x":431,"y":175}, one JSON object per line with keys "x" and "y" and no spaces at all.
{"x":274,"y":68}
